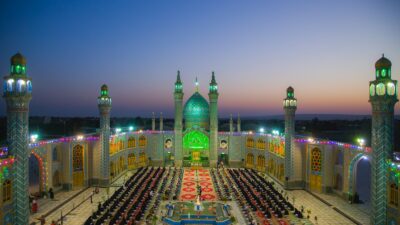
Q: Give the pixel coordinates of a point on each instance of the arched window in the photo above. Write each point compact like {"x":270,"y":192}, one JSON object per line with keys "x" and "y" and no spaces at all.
{"x":372,"y":90}
{"x":261,"y":144}
{"x":394,"y":195}
{"x":383,"y":73}
{"x":121,"y":144}
{"x":260,"y":162}
{"x":6,"y":190}
{"x":29,"y":86}
{"x":316,"y":161}
{"x":380,"y":89}
{"x":250,"y":160}
{"x":250,"y":142}
{"x":391,"y":89}
{"x":10,"y":85}
{"x":77,"y":158}
{"x":142,"y":141}
{"x":131,"y":159}
{"x":131,"y":142}
{"x":20,"y":86}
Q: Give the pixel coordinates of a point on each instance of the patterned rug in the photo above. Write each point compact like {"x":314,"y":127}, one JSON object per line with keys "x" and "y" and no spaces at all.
{"x":188,"y":191}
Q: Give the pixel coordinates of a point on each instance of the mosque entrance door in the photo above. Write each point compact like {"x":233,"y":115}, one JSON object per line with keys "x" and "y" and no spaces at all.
{"x":196,"y":148}
{"x":35,"y":171}
{"x":77,"y":166}
{"x":315,"y":183}
{"x":196,"y":156}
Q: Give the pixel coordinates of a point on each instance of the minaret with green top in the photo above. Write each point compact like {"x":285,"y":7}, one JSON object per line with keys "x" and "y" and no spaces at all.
{"x":178,"y":98}
{"x":213,"y":98}
{"x":290,"y":106}
{"x":104,"y":104}
{"x":18,"y":93}
{"x":383,"y":97}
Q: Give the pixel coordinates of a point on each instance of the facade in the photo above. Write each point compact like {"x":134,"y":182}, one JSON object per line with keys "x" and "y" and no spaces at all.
{"x":316,"y":165}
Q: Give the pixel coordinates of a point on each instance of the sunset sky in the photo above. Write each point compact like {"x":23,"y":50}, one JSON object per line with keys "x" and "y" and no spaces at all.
{"x":326,"y":50}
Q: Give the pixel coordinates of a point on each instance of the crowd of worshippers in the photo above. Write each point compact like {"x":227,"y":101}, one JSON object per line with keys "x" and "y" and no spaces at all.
{"x":221,"y":186}
{"x":173,"y":190}
{"x":129,"y":203}
{"x":258,"y":197}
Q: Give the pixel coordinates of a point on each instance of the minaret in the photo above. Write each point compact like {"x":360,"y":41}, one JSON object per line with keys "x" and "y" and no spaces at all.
{"x":104,"y":104}
{"x":178,"y":97}
{"x":17,"y":93}
{"x":231,"y":124}
{"x":213,"y":96}
{"x":153,"y":122}
{"x":161,"y":122}
{"x":290,"y":106}
{"x":239,"y":129}
{"x":383,"y":97}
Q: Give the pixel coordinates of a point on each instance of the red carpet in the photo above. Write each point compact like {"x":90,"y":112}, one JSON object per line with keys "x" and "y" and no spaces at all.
{"x":188,"y":191}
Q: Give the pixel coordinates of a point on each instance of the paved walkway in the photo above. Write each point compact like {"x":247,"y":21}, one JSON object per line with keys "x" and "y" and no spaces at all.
{"x":359,"y":212}
{"x":80,"y":206}
{"x":326,"y":214}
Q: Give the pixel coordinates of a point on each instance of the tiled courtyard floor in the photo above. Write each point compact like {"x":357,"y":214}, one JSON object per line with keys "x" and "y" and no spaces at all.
{"x":325,"y":213}
{"x":79,"y":213}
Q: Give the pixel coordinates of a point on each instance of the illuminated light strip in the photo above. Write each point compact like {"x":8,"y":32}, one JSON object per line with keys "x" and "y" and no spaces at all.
{"x":4,"y":150}
{"x":43,"y":166}
{"x":8,"y":161}
{"x":313,"y":141}
{"x":395,"y":168}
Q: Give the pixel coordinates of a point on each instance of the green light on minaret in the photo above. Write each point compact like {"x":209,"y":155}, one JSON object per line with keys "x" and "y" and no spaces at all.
{"x":213,"y":84}
{"x":178,"y":83}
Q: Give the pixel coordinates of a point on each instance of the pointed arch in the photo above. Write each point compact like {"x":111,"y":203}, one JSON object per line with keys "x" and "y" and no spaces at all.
{"x":78,"y":165}
{"x":142,"y":141}
{"x":250,"y":160}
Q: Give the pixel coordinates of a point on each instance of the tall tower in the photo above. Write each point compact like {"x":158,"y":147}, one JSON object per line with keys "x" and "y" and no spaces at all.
{"x":213,"y":96}
{"x":18,"y":94}
{"x":231,"y":124}
{"x":239,"y":129}
{"x":104,"y":104}
{"x":178,"y":97}
{"x":161,"y":122}
{"x":383,"y":97}
{"x":153,"y":122}
{"x":290,"y":106}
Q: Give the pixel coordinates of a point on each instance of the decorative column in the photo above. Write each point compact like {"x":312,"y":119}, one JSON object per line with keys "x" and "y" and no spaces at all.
{"x":383,"y":97}
{"x":239,"y":129}
{"x":213,"y":96}
{"x":153,"y":122}
{"x":161,"y":122}
{"x":18,"y":94}
{"x":290,"y":106}
{"x":104,"y":104}
{"x":178,"y":97}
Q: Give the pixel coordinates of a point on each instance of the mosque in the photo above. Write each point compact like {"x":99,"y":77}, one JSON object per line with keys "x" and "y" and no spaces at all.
{"x":196,"y":153}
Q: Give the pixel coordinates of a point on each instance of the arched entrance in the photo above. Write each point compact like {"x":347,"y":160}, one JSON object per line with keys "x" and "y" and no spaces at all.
{"x":316,"y":170}
{"x":77,"y":166}
{"x":35,"y":175}
{"x":250,"y":160}
{"x":261,"y":163}
{"x":362,"y":175}
{"x":196,"y":148}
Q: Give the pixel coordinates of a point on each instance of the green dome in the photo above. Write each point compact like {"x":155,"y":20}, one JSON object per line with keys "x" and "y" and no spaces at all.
{"x":196,"y":112}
